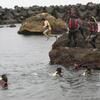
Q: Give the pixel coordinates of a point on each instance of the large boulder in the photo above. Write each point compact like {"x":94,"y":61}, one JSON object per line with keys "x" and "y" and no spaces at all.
{"x":83,"y":54}
{"x":34,"y":24}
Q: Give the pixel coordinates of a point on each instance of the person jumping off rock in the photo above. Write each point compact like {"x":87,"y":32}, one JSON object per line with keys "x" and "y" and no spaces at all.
{"x":47,"y":29}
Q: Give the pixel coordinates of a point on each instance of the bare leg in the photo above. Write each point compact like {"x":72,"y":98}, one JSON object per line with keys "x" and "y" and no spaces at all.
{"x":45,"y":33}
{"x":51,"y":35}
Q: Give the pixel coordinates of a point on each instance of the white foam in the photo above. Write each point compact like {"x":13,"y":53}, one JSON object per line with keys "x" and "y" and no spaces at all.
{"x":54,"y":74}
{"x":0,"y":78}
{"x":35,"y":74}
{"x":84,"y":74}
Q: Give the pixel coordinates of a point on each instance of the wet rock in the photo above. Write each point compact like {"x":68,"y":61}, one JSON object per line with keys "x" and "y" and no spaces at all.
{"x":35,"y":24}
{"x":19,"y":14}
{"x":83,"y":54}
{"x":90,"y":6}
{"x":82,"y":8}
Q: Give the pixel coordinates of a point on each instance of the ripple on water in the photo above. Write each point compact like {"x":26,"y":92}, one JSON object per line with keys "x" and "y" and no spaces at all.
{"x":25,"y":61}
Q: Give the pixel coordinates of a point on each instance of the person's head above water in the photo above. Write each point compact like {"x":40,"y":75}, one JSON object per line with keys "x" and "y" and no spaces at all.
{"x":76,"y":65}
{"x":4,"y":77}
{"x":59,"y":70}
{"x":44,"y":18}
{"x":4,"y":81}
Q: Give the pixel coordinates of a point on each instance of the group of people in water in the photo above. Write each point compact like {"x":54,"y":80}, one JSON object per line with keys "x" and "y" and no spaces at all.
{"x":74,"y":24}
{"x":58,"y":72}
{"x":76,"y":66}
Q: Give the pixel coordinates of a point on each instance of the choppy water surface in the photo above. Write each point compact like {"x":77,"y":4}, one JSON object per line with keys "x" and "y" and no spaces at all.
{"x":25,"y":60}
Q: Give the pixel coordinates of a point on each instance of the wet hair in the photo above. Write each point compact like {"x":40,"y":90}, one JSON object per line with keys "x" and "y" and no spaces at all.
{"x":4,"y":78}
{"x":59,"y":70}
{"x":73,"y":16}
{"x":92,"y":19}
{"x":43,"y":19}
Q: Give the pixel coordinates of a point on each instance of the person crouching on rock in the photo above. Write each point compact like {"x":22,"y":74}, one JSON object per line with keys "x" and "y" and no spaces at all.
{"x":47,"y":28}
{"x":4,"y":81}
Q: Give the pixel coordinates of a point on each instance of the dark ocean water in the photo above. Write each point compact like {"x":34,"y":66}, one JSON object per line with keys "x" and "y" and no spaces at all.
{"x":26,"y":62}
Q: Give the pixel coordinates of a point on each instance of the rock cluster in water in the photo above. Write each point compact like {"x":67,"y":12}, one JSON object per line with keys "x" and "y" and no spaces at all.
{"x":83,"y":54}
{"x":18,"y":14}
{"x":34,"y":24}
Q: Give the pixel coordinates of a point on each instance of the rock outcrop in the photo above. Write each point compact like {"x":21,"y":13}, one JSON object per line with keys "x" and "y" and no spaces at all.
{"x":18,"y":14}
{"x":34,"y":24}
{"x":83,"y":54}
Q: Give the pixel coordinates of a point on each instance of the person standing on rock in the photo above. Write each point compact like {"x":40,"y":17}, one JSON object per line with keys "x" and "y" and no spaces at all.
{"x":80,"y":22}
{"x":47,"y":28}
{"x":93,"y":29}
{"x":73,"y":27}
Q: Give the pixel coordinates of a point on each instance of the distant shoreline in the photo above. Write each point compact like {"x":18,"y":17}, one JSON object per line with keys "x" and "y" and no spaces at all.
{"x":19,"y":14}
{"x":54,"y":4}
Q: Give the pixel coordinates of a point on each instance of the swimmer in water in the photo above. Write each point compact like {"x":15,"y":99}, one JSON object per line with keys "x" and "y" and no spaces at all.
{"x":58,"y":72}
{"x":76,"y":66}
{"x":4,"y":81}
{"x":88,"y":71}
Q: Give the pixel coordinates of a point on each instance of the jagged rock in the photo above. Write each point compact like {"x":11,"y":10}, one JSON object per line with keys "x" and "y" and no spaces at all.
{"x":9,"y":21}
{"x":83,"y":54}
{"x":82,"y":8}
{"x":35,"y":24}
{"x":30,"y":12}
{"x":57,"y":11}
{"x":90,"y":6}
{"x":50,"y":9}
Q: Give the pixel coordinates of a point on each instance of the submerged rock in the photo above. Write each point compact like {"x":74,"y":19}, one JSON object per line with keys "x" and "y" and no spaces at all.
{"x":83,"y":54}
{"x":35,"y":24}
{"x":12,"y":25}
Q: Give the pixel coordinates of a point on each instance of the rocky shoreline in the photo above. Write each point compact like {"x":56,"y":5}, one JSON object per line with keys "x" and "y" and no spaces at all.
{"x":30,"y":19}
{"x":19,"y":14}
{"x":83,"y":54}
